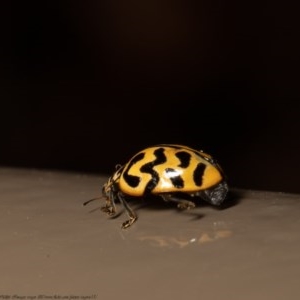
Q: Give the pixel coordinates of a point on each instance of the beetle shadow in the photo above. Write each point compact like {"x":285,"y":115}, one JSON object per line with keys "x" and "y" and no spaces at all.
{"x":154,"y":203}
{"x":119,"y":212}
{"x":233,"y":198}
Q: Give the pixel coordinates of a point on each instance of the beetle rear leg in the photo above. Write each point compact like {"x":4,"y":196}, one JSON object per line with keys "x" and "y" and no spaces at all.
{"x":132,"y":215}
{"x":181,"y":204}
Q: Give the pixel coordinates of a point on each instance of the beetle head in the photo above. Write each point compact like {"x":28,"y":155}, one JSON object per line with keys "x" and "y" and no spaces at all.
{"x":109,"y":186}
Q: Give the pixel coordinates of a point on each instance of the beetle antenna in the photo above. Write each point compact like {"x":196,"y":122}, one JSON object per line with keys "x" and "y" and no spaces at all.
{"x":87,"y":202}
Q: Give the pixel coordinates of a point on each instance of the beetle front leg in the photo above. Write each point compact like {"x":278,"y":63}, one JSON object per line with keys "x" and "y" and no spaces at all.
{"x":132,"y":215}
{"x":181,"y":204}
{"x":110,"y":206}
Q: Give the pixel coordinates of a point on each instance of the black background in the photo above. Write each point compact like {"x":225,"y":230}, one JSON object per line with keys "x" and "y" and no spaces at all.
{"x":86,"y":84}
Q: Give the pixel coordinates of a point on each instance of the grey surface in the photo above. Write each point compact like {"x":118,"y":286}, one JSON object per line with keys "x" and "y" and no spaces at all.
{"x":52,"y":246}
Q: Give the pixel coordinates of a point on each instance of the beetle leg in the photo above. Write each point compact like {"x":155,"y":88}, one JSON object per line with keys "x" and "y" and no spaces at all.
{"x":110,"y":206}
{"x":181,"y":204}
{"x":132,"y":215}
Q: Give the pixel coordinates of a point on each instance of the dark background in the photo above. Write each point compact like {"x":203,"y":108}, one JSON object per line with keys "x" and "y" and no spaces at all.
{"x":86,"y":84}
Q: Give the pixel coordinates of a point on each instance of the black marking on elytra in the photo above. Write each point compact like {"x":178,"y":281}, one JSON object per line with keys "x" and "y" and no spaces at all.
{"x":184,"y":158}
{"x":176,"y":180}
{"x":133,"y":180}
{"x":198,"y":174}
{"x":196,"y":152}
{"x":160,"y":158}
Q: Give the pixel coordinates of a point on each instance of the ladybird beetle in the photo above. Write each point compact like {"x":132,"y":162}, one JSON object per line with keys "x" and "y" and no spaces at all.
{"x":167,"y":171}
